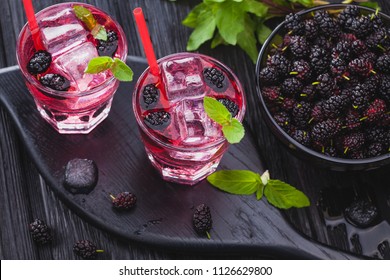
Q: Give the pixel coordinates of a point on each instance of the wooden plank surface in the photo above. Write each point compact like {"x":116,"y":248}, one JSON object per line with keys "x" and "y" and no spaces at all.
{"x":23,"y":193}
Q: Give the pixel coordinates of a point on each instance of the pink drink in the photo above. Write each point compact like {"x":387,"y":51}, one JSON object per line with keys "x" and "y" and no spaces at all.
{"x":88,"y":100}
{"x":180,"y":140}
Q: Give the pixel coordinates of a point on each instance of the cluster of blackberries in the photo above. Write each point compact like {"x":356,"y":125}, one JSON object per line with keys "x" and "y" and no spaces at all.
{"x":328,"y":83}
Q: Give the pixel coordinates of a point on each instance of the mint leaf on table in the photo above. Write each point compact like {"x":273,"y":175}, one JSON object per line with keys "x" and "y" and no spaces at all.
{"x":232,"y":129}
{"x":118,"y":68}
{"x":244,"y":182}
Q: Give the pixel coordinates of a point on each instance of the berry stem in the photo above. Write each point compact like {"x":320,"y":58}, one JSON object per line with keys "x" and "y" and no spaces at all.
{"x":112,"y":197}
{"x":208,"y":235}
{"x":346,"y":77}
{"x":346,"y":150}
{"x":99,"y":251}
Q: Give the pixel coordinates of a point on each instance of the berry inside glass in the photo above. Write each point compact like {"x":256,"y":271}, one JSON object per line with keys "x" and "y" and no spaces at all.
{"x":181,"y":141}
{"x":69,"y":99}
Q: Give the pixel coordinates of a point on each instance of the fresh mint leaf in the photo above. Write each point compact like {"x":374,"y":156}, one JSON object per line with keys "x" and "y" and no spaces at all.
{"x":218,"y":40}
{"x":121,"y":71}
{"x":216,"y":111}
{"x":233,"y":132}
{"x":255,"y":7}
{"x":99,"y":64}
{"x":242,"y":182}
{"x":85,"y":16}
{"x":118,"y":68}
{"x":284,"y":196}
{"x":204,"y":30}
{"x":101,"y":34}
{"x":247,"y":40}
{"x":192,"y":18}
{"x":259,"y":192}
{"x":230,"y":12}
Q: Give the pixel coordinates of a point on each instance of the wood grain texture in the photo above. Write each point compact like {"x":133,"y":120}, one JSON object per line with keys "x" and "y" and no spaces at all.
{"x":24,"y":194}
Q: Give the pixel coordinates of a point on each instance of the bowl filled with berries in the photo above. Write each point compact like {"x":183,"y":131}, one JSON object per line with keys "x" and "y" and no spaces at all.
{"x":323,"y":80}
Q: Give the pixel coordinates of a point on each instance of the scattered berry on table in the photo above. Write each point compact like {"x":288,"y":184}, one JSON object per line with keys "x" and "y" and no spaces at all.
{"x":86,"y":249}
{"x":109,"y":47}
{"x":124,"y":200}
{"x":202,"y":220}
{"x":55,"y":81}
{"x":39,"y":62}
{"x":40,"y":232}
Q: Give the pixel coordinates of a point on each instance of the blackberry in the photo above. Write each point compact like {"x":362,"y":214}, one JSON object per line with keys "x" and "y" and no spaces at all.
{"x":360,"y":97}
{"x":347,"y":15}
{"x":326,"y":85}
{"x":301,"y":114}
{"x":157,"y":120}
{"x":39,"y":62}
{"x":271,"y":94}
{"x":325,"y":130}
{"x":281,"y":64}
{"x":376,"y":110}
{"x":85,"y":249}
{"x":291,"y":86}
{"x":294,"y":23}
{"x":338,"y":68}
{"x":311,"y":29}
{"x":362,"y":26}
{"x":330,"y":151}
{"x":359,"y":47}
{"x":359,"y":154}
{"x":378,"y":38}
{"x":353,"y":141}
{"x":150,"y":96}
{"x":342,"y":50}
{"x":383,"y":64}
{"x":202,"y":220}
{"x":361,"y":67}
{"x":370,"y":56}
{"x":323,"y":41}
{"x":301,"y":69}
{"x":334,"y":106}
{"x":230,"y":105}
{"x":349,"y":37}
{"x":269,"y":75}
{"x":302,"y":136}
{"x":288,"y":104}
{"x":384,"y":88}
{"x":372,"y":83}
{"x":108,"y":47}
{"x":308,"y":93}
{"x":124,"y":200}
{"x":375,"y":149}
{"x":40,"y":232}
{"x":215,"y":79}
{"x":352,"y":120}
{"x":283,"y":120}
{"x":299,"y":47}
{"x":376,"y":21}
{"x":328,"y":25}
{"x":378,"y":134}
{"x":55,"y":81}
{"x":319,"y":59}
{"x":317,"y":113}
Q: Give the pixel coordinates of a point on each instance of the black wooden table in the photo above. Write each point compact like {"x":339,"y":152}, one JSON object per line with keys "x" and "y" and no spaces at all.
{"x":24,"y":195}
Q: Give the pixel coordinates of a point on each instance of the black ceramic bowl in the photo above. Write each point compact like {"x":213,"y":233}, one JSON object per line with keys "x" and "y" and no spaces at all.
{"x":295,"y":147}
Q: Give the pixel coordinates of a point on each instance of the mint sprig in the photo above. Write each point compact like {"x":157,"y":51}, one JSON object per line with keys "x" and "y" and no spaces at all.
{"x":98,"y":31}
{"x":232,"y":129}
{"x":245,"y":182}
{"x":118,"y":68}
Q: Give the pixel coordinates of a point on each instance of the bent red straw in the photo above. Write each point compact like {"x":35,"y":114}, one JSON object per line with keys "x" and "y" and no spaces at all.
{"x":145,"y":38}
{"x":33,"y":25}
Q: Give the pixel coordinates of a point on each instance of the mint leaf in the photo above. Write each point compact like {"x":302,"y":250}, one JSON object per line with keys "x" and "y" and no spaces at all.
{"x":204,"y":30}
{"x":192,"y":18}
{"x":118,"y":68}
{"x":85,"y":16}
{"x":243,"y":182}
{"x":121,"y":71}
{"x":216,"y":111}
{"x":233,"y":132}
{"x":372,"y":5}
{"x":230,"y":12}
{"x":247,"y":40}
{"x":259,"y":192}
{"x":218,"y":40}
{"x":99,"y":64}
{"x":255,"y":7}
{"x":284,"y":196}
{"x":101,"y":34}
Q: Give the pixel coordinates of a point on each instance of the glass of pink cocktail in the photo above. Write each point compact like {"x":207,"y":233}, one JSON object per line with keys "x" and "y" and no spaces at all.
{"x":69,"y":99}
{"x":181,"y":141}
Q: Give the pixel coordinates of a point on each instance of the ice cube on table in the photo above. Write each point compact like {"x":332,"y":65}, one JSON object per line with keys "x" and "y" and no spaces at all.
{"x":62,"y":32}
{"x":74,"y":63}
{"x":183,"y":78}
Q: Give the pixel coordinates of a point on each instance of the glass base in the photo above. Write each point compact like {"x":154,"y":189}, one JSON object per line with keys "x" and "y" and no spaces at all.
{"x":80,"y":123}
{"x":184,"y":174}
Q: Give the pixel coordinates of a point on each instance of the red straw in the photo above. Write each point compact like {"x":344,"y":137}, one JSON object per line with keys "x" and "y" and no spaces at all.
{"x":145,"y":37}
{"x":32,"y":23}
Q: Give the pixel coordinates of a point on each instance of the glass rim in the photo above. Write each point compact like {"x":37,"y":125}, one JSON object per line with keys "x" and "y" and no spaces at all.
{"x":281,"y":132}
{"x":29,"y":77}
{"x":160,"y":142}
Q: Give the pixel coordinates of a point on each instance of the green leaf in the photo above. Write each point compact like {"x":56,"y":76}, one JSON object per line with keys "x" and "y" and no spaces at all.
{"x":259,"y":192}
{"x":243,"y":182}
{"x":121,"y":71}
{"x":306,"y":3}
{"x":218,"y":40}
{"x":216,"y":111}
{"x":85,"y":16}
{"x":101,"y":34}
{"x":255,"y":7}
{"x":262,"y":33}
{"x":284,"y":196}
{"x":192,"y":18}
{"x":247,"y":40}
{"x":233,"y":132}
{"x":204,"y":30}
{"x":99,"y":64}
{"x":372,"y":5}
{"x":230,"y":21}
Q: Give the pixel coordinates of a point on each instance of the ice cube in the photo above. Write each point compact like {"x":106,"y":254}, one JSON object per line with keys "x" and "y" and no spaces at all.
{"x":81,"y":175}
{"x":74,"y":63}
{"x":183,"y":78}
{"x":61,"y":32}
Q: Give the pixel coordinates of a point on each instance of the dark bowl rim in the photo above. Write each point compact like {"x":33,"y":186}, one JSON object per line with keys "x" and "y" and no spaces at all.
{"x":299,"y":146}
